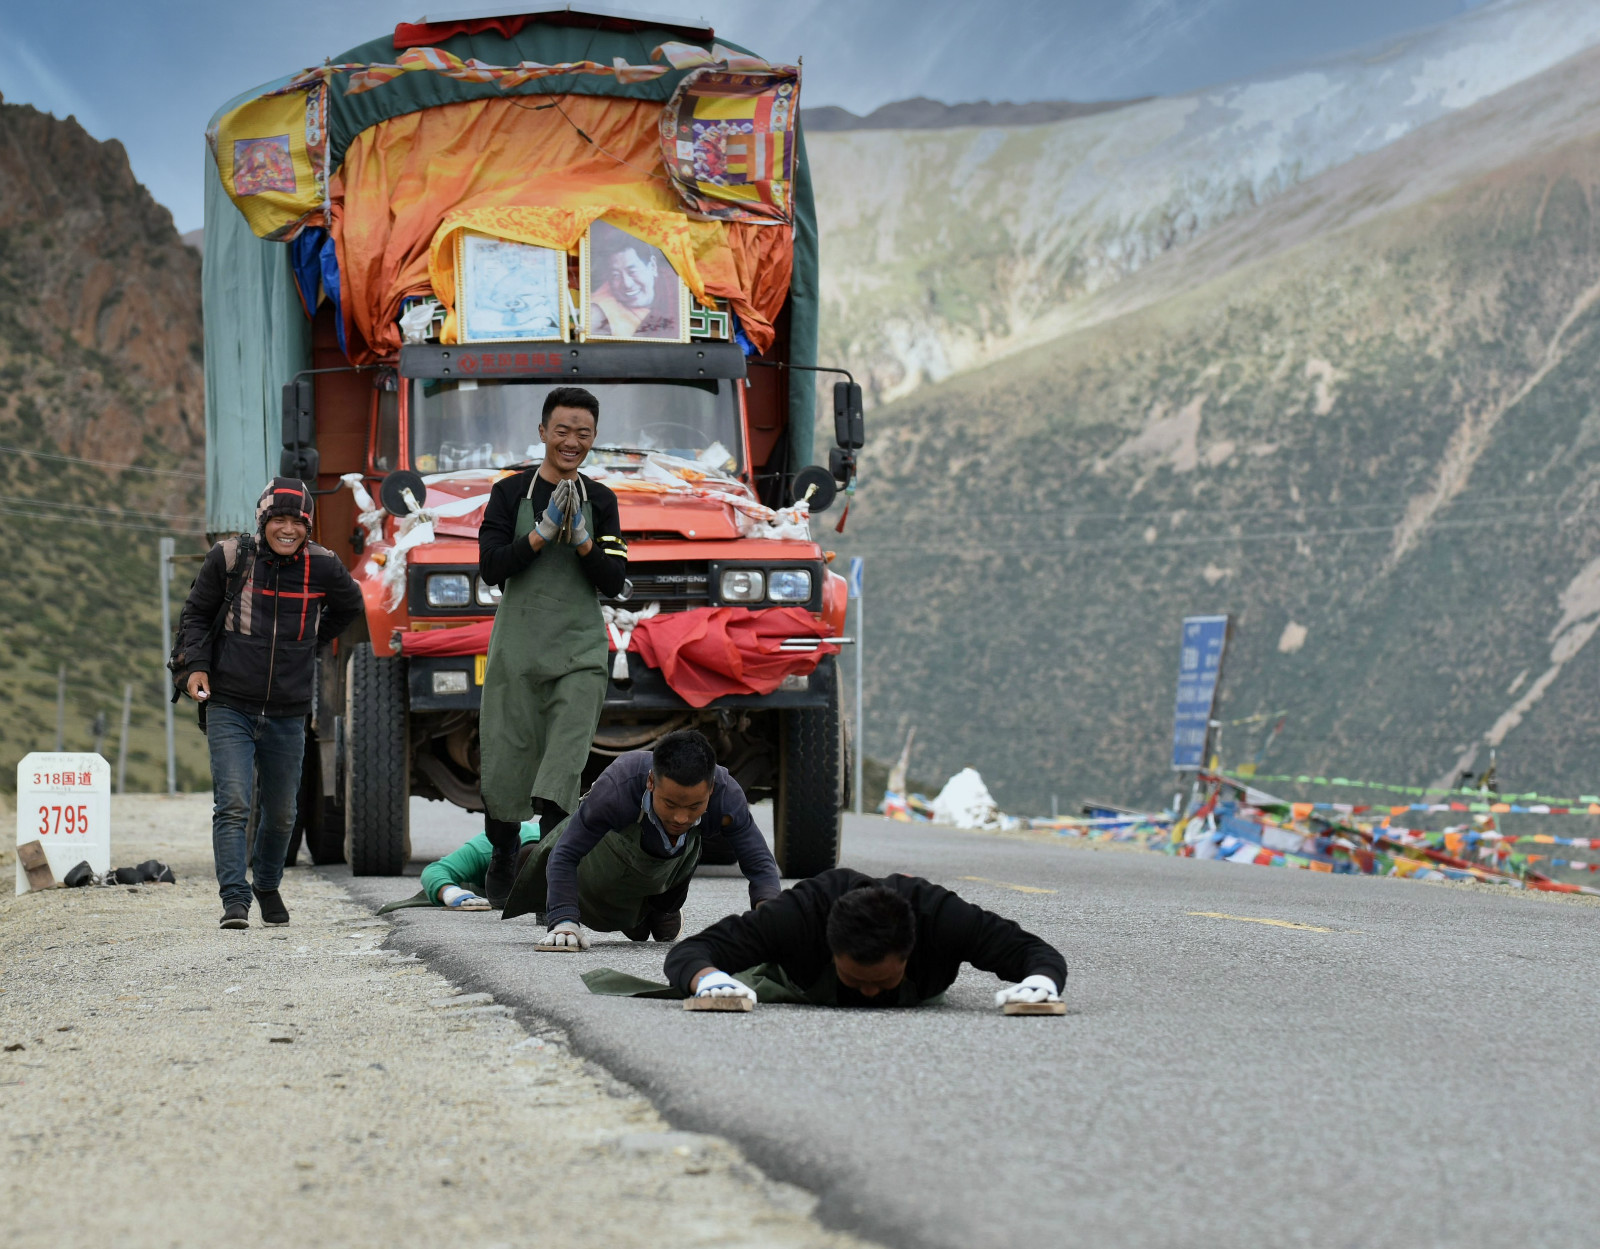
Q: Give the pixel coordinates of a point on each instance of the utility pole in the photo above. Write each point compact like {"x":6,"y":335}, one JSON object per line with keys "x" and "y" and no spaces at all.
{"x":100,"y":733}
{"x":857,"y":592}
{"x":61,"y":709}
{"x":122,"y":746}
{"x":168,"y":547}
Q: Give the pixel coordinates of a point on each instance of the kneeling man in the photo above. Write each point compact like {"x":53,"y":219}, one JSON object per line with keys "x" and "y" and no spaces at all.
{"x":623,"y":860}
{"x":845,"y":939}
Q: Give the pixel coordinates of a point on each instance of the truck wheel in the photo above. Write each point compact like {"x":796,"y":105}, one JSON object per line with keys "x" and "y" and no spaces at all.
{"x":377,"y":768}
{"x":810,"y":792}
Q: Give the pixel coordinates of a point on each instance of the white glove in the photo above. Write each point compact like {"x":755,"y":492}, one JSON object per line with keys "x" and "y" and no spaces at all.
{"x":564,"y":936}
{"x":1033,"y":989}
{"x":720,"y":984}
{"x":459,"y":899}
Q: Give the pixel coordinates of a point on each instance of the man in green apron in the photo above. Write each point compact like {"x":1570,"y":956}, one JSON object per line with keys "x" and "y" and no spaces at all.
{"x":624,"y":860}
{"x":842,"y":938}
{"x":552,"y":539}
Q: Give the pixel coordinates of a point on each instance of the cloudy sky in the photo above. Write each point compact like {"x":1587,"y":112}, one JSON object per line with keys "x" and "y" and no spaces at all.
{"x":151,"y":75}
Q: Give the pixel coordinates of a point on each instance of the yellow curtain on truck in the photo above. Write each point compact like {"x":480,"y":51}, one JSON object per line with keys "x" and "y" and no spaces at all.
{"x":468,"y":164}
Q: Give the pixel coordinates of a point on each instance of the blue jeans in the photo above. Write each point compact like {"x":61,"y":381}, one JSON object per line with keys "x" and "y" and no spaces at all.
{"x":244,"y":747}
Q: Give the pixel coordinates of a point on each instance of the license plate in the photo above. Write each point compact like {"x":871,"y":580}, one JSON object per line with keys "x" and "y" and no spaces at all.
{"x":479,"y":663}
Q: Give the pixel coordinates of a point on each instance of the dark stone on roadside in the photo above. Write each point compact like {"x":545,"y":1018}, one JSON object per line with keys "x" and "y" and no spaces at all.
{"x":79,"y":876}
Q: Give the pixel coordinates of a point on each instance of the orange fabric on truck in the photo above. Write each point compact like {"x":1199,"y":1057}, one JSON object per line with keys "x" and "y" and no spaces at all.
{"x":402,"y":177}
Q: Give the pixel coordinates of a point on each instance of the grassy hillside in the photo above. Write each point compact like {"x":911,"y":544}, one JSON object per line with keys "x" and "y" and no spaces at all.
{"x":1377,"y":449}
{"x":99,"y":361}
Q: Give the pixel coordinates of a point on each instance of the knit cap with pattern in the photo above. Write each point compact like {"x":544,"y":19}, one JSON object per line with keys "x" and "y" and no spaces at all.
{"x":284,"y":496}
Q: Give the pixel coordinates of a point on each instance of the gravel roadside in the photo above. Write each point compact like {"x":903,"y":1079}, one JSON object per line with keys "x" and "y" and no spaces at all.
{"x":165,"y":1083}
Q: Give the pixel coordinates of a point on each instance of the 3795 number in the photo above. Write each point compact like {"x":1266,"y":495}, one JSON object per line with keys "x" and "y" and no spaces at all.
{"x":56,"y":820}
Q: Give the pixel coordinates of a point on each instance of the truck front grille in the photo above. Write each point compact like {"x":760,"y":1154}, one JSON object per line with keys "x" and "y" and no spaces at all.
{"x":676,"y":585}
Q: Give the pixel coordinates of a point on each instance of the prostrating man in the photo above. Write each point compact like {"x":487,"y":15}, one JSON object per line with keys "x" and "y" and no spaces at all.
{"x":553,"y":539}
{"x":625,"y":858}
{"x":247,"y":653}
{"x":845,"y":939}
{"x":453,"y":881}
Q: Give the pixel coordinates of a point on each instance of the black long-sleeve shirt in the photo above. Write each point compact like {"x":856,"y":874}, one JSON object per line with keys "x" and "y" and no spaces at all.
{"x":791,"y":930}
{"x":617,"y":799}
{"x":501,"y":554}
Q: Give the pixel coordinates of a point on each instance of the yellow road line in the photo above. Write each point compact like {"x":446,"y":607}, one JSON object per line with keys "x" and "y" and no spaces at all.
{"x":1250,"y":919}
{"x":1019,"y":888}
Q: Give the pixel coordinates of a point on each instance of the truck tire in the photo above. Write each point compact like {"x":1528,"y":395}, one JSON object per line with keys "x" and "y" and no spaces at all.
{"x":377,"y":770}
{"x":809,"y":801}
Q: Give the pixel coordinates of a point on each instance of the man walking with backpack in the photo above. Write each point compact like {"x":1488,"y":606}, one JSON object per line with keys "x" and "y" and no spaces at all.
{"x":247,"y":653}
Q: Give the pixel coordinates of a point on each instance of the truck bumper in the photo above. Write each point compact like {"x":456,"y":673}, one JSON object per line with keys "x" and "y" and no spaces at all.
{"x":431,"y":680}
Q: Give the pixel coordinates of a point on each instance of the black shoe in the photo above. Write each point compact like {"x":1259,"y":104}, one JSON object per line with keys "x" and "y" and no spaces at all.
{"x":640,"y":933}
{"x":273,"y":910}
{"x":236,"y":915}
{"x":666,"y":926}
{"x":502,"y":874}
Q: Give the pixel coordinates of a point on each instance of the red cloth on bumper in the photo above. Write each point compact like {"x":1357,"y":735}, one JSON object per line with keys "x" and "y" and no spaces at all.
{"x":709,"y":652}
{"x":703,"y":653}
{"x":472,"y":639}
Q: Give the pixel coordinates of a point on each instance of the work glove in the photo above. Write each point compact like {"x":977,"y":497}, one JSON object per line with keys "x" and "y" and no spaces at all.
{"x":1033,"y":989}
{"x":578,"y":527}
{"x":564,"y":936}
{"x":459,"y":899}
{"x":549,"y":525}
{"x":720,"y":984}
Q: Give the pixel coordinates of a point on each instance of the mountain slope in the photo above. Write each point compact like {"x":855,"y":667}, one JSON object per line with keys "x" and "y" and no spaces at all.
{"x":100,"y":351}
{"x":945,"y":249}
{"x":1364,"y":425}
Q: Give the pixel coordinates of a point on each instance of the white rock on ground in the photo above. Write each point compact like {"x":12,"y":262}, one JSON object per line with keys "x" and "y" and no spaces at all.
{"x":166,"y":1083}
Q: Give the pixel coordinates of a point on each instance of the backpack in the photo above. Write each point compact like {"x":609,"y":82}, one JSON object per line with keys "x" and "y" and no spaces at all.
{"x":243,"y":562}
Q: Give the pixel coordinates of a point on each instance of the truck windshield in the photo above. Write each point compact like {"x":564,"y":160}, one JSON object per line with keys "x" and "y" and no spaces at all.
{"x":471,"y":424}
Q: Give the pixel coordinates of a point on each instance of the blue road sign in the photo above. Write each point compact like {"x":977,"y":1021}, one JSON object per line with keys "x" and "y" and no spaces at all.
{"x":1199,"y":665}
{"x":857,"y":570}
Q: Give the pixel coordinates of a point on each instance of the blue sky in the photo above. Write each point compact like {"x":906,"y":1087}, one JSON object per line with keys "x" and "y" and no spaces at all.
{"x":151,"y":75}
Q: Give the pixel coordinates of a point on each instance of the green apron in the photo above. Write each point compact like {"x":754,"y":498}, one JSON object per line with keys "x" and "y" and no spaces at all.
{"x":545,"y":682}
{"x":769,"y":980}
{"x":614,"y":879}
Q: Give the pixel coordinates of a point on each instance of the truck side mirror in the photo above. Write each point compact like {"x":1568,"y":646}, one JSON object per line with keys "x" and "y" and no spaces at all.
{"x":849,"y":426}
{"x":299,"y":458}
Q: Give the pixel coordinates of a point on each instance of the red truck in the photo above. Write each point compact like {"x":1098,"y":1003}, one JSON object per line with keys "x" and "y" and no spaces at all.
{"x":706,"y":441}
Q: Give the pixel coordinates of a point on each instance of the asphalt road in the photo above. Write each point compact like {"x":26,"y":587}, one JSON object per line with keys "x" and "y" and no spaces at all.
{"x":1412,"y":1066}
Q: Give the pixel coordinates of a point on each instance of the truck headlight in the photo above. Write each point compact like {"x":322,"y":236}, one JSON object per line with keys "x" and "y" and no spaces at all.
{"x":743,"y":585}
{"x":449,"y":589}
{"x":789,"y":585}
{"x":488,"y":595}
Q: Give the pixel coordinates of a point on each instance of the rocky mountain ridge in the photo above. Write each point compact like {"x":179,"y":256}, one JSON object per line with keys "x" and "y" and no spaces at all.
{"x":1359,"y":419}
{"x":100,"y":360}
{"x":921,"y":113}
{"x":943,"y":250}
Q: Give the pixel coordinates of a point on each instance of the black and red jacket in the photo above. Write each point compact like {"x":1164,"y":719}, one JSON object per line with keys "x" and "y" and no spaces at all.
{"x":264,"y":661}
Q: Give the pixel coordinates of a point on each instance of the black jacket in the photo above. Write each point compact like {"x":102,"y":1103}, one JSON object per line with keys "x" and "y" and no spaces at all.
{"x":501,"y":554}
{"x":791,"y":930}
{"x":617,"y":799}
{"x":264,"y":662}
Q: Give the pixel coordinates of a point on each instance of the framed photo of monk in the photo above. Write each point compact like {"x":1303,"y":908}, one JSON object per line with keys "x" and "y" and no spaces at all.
{"x":507,"y":291}
{"x":630,"y":291}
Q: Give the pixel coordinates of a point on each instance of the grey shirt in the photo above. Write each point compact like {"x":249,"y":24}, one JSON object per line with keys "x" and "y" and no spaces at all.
{"x":620,"y":798}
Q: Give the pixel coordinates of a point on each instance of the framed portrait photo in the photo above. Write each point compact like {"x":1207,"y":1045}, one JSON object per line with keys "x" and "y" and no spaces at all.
{"x":509,"y":291}
{"x":630,"y":291}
